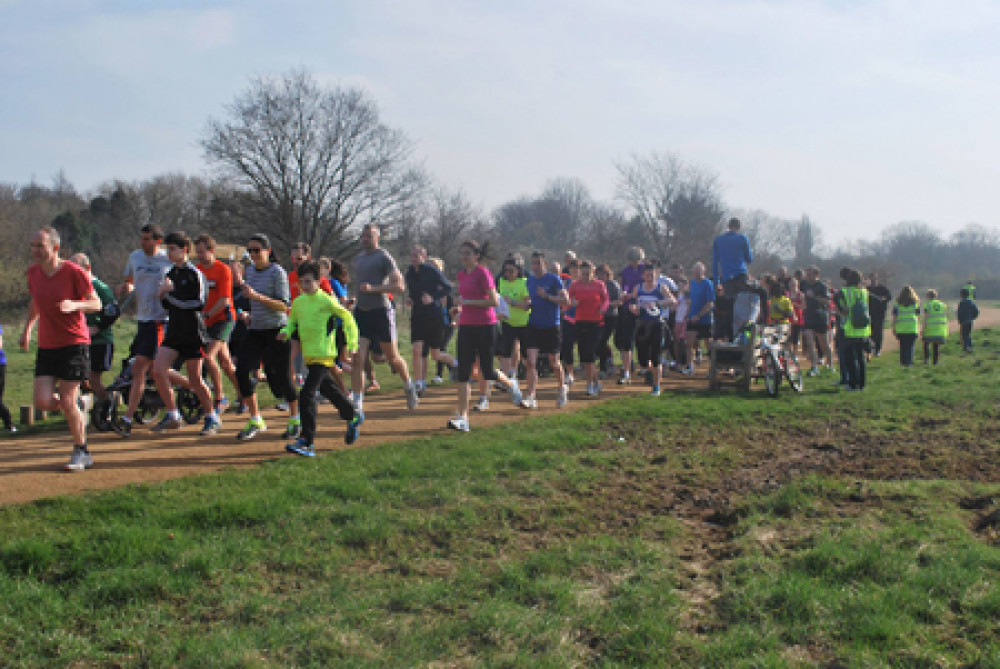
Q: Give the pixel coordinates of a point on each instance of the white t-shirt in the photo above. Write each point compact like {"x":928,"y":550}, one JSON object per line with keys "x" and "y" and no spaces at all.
{"x":147,"y":274}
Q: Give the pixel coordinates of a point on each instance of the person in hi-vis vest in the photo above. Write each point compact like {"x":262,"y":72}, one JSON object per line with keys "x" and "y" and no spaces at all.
{"x":935,"y":330}
{"x":855,"y":336}
{"x":906,"y":323}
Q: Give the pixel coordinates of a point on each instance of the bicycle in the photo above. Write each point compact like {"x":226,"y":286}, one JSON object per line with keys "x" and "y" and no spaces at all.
{"x":777,"y":361}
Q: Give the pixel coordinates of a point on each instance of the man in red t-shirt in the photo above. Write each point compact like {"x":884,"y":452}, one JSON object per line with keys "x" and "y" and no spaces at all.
{"x":220,"y":318}
{"x":61,"y":293}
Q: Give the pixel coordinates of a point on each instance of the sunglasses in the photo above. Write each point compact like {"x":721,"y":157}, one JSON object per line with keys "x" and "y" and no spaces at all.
{"x":257,"y":250}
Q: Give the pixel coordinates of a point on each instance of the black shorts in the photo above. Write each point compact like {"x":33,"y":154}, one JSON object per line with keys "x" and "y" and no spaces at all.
{"x":568,"y":341}
{"x":625,"y":333}
{"x":704,"y":330}
{"x":221,"y":331}
{"x":588,"y":334}
{"x":545,"y":340}
{"x":186,"y":348}
{"x":67,"y":363}
{"x":476,"y":341}
{"x":376,"y":325}
{"x":101,"y":356}
{"x":427,"y":327}
{"x":508,"y":335}
{"x":147,"y":339}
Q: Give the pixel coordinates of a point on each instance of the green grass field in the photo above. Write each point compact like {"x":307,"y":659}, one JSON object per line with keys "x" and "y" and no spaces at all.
{"x":692,"y":529}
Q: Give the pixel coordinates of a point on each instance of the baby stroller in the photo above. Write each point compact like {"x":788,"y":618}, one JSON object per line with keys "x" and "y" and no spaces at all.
{"x":107,"y":415}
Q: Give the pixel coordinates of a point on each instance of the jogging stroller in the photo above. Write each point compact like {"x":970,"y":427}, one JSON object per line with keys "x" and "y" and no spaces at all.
{"x":107,"y":415}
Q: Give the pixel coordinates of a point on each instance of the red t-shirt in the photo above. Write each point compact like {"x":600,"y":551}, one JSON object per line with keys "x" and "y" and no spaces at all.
{"x":592,"y":300}
{"x":56,"y":329}
{"x":476,"y":285}
{"x":294,"y":289}
{"x":219,"y":279}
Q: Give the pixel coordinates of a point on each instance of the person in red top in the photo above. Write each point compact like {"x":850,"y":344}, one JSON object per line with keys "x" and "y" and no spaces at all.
{"x":590,"y":298}
{"x":220,"y":318}
{"x":476,"y":330}
{"x":61,"y":293}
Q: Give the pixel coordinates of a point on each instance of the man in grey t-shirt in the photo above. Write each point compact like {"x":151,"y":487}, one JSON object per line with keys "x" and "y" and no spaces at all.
{"x":145,"y":271}
{"x":376,"y":275}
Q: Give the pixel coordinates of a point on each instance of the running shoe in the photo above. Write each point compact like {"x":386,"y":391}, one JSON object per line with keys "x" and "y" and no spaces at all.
{"x":293,"y":430}
{"x":411,"y":397}
{"x":529,"y":403}
{"x":813,"y":371}
{"x":372,"y":386}
{"x":563,"y":397}
{"x":253,"y":428}
{"x":569,"y":379}
{"x":483,"y":404}
{"x":301,"y":447}
{"x":222,"y":405}
{"x":688,"y":371}
{"x":167,"y":423}
{"x":122,"y":427}
{"x":354,"y":428}
{"x":591,"y":391}
{"x":459,"y":423}
{"x":624,"y":380}
{"x":437,"y":380}
{"x":10,"y":428}
{"x":79,"y":461}
{"x":655,"y":392}
{"x":282,"y":406}
{"x":212,"y":425}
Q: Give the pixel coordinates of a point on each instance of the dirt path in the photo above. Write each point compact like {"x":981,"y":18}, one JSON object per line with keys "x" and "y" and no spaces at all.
{"x":31,"y":466}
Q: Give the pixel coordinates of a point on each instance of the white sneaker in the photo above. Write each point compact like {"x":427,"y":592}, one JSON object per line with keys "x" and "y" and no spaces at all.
{"x":688,"y":371}
{"x":437,"y":380}
{"x":529,"y":403}
{"x":569,"y":379}
{"x":460,"y":424}
{"x":483,"y":404}
{"x":563,"y":397}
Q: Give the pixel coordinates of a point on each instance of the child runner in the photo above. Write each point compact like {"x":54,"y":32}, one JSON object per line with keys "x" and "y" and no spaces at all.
{"x":183,"y":293}
{"x":935,"y":332}
{"x":967,"y":312}
{"x":315,"y":315}
{"x":476,"y":330}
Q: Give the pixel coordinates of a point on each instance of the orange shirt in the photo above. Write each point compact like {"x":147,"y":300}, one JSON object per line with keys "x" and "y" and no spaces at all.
{"x":219,"y":279}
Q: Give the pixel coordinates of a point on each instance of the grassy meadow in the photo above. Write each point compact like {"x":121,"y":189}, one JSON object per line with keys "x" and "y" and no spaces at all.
{"x":694,"y":529}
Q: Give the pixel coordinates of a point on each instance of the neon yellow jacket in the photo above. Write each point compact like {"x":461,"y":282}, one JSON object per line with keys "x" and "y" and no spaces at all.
{"x":316,"y":316}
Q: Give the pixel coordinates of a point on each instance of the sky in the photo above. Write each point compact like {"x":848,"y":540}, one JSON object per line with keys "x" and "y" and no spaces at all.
{"x":859,"y":114}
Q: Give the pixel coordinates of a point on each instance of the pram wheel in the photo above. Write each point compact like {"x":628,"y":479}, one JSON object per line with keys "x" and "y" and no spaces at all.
{"x":189,"y":405}
{"x":101,"y":415}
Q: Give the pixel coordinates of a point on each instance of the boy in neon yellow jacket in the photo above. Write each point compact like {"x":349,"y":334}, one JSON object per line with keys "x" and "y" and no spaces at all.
{"x":317,"y":315}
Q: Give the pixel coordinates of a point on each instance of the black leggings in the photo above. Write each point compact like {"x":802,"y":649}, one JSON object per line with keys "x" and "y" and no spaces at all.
{"x":4,"y":411}
{"x":604,"y":354}
{"x":318,"y":378}
{"x":476,"y":341}
{"x":263,"y":345}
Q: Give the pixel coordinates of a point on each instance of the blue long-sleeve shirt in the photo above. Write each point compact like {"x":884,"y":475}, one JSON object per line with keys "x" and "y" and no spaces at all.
{"x":730,"y":256}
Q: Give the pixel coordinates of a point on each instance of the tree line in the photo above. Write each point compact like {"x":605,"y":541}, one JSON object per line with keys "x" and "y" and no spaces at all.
{"x":304,"y":162}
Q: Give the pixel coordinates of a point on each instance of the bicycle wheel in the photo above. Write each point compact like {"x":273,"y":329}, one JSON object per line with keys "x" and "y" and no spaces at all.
{"x":771,"y":372}
{"x":792,"y":370}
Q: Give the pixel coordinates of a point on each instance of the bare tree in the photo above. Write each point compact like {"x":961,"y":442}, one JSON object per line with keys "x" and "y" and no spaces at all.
{"x":678,"y":205}
{"x":453,"y":218}
{"x":314,"y":162}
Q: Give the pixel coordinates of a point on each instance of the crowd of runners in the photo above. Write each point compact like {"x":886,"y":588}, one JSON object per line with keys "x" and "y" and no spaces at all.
{"x":311,"y":338}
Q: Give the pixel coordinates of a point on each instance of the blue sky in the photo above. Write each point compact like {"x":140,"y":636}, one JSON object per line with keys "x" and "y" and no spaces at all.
{"x":860,"y":113}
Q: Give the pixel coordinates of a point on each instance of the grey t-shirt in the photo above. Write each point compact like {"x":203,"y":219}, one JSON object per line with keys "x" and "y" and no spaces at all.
{"x":147,"y":274}
{"x":272,"y":281}
{"x":373,"y":268}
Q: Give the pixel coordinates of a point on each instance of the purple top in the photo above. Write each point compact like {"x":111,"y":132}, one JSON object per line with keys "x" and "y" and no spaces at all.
{"x":631,"y":277}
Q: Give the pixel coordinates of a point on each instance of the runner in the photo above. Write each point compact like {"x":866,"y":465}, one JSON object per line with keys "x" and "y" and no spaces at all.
{"x":542,"y":336}
{"x":513,"y":288}
{"x":647,"y":300}
{"x":377,"y":274}
{"x":144,"y":272}
{"x":300,"y":253}
{"x":220,"y":319}
{"x":183,"y":293}
{"x":265,"y":284}
{"x":589,"y":298}
{"x":102,"y":338}
{"x":476,"y":330}
{"x":631,"y":276}
{"x":425,"y":286}
{"x":60,"y":293}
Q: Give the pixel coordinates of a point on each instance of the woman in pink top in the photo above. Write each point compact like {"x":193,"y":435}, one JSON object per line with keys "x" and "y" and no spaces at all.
{"x":590,"y":298}
{"x":477,"y":297}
